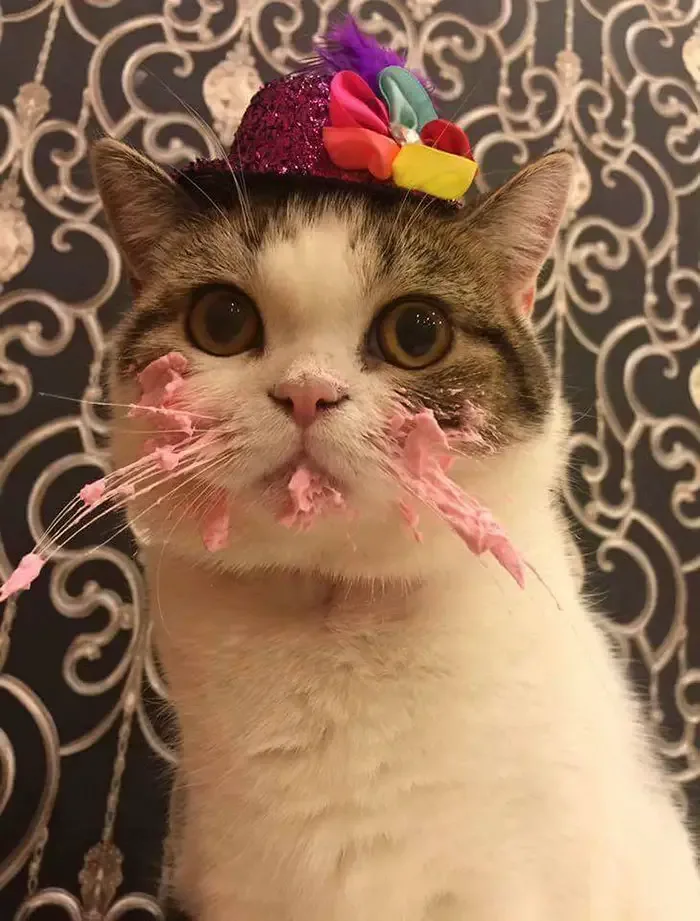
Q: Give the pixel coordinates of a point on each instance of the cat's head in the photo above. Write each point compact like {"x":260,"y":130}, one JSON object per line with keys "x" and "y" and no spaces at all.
{"x":309,"y":312}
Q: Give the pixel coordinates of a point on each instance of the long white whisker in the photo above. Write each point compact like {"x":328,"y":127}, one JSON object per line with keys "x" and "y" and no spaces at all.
{"x":69,"y":509}
{"x":156,"y":409}
{"x":395,"y":227}
{"x":193,"y":112}
{"x":50,"y":542}
{"x":242,"y":192}
{"x":153,"y":505}
{"x":195,"y":184}
{"x":242,"y":196}
{"x":159,"y":606}
{"x":111,"y":502}
{"x":139,"y":469}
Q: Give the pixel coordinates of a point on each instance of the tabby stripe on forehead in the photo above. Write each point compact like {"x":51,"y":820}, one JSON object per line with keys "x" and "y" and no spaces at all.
{"x":528,"y":367}
{"x":144,"y":322}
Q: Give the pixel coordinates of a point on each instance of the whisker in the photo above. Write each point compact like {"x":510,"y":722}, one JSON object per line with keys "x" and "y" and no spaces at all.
{"x":395,"y":227}
{"x":111,"y":508}
{"x":223,"y":155}
{"x":53,"y":542}
{"x":157,"y":409}
{"x":422,"y":206}
{"x":68,"y":509}
{"x":216,"y":142}
{"x":161,"y":499}
{"x":117,"y":479}
{"x":218,"y":462}
{"x":191,"y":508}
{"x":134,"y":428}
{"x":242,"y":191}
{"x":197,"y":186}
{"x":111,"y":499}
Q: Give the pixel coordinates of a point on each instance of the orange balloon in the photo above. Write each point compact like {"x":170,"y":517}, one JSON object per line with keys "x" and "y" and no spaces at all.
{"x":359,"y":148}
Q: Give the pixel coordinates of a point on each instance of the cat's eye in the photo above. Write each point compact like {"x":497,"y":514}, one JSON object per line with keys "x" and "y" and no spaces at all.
{"x":224,"y":321}
{"x":413,"y":334}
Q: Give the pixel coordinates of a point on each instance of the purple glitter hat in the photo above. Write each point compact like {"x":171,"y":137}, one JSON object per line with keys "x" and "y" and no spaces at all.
{"x":355,"y":115}
{"x":281,"y":131}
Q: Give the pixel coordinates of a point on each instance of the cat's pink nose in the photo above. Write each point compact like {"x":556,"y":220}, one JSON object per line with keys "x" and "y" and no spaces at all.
{"x":305,"y":399}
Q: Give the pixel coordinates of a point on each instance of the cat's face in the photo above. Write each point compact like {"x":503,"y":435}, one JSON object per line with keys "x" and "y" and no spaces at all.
{"x":307,"y":317}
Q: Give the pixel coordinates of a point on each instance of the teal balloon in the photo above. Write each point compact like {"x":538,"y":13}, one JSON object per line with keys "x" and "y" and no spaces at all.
{"x":406,"y":98}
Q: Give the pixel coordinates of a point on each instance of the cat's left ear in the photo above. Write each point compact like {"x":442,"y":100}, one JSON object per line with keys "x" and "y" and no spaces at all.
{"x":517,"y":223}
{"x":141,"y":202}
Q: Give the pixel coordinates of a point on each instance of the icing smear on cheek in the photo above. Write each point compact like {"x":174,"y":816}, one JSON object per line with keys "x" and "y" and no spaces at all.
{"x":162,"y":385}
{"x":421,"y":462}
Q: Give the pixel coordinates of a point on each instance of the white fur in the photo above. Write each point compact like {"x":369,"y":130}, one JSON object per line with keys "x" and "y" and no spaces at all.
{"x":376,"y":730}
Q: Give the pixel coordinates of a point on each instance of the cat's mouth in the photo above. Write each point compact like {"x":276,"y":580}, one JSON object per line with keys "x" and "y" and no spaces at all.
{"x":280,"y":476}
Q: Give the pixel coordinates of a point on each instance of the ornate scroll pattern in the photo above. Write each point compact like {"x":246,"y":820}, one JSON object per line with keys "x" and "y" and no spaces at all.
{"x":618,"y":83}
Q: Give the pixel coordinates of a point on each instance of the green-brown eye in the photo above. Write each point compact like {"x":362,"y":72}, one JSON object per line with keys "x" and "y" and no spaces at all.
{"x":413,"y":334}
{"x":224,"y":321}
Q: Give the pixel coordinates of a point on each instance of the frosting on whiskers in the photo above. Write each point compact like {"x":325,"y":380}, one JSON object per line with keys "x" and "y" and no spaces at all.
{"x":418,"y":454}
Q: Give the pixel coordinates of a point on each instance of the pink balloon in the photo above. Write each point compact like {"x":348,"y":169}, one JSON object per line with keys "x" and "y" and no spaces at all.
{"x":354,"y":105}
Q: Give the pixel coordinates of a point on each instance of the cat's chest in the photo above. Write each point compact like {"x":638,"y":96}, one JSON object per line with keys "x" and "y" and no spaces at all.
{"x":347,"y":730}
{"x":329,"y":766}
{"x":323,"y":789}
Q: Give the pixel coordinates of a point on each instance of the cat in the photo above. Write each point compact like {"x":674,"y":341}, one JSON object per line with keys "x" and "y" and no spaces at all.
{"x":375,"y":728}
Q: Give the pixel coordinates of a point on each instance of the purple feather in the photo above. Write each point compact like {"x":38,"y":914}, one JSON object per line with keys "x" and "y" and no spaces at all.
{"x":346,"y":47}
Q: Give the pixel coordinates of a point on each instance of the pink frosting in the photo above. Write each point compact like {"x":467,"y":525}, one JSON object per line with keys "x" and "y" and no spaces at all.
{"x":22,"y":577}
{"x":162,"y":379}
{"x":161,"y":402}
{"x":91,"y":493}
{"x":166,"y":457}
{"x":424,"y":445}
{"x":162,"y":384}
{"x":412,"y":519}
{"x":215,"y":524}
{"x":421,"y":466}
{"x":311,"y":495}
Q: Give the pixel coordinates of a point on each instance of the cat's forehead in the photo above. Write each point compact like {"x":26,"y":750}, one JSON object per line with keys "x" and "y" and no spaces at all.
{"x":315,"y":271}
{"x":311,"y":258}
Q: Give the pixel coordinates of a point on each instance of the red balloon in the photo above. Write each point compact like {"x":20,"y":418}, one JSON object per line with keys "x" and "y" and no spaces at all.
{"x":446,"y":136}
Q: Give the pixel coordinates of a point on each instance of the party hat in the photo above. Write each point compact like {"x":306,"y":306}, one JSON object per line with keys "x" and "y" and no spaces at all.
{"x":357,"y":114}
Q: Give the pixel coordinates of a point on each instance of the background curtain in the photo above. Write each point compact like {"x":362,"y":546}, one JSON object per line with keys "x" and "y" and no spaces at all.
{"x":84,"y":744}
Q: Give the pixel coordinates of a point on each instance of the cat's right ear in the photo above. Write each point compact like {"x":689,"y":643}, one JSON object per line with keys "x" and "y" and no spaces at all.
{"x":517,"y":224}
{"x":140,"y":200}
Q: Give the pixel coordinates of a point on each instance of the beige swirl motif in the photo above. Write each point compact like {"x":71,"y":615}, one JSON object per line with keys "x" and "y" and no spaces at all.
{"x":617,"y":83}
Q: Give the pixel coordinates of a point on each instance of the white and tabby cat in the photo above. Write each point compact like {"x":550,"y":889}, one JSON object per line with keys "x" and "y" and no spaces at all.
{"x":375,"y":729}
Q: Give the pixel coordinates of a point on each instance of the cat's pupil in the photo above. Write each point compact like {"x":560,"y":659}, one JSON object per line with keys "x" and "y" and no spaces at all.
{"x":417,"y":330}
{"x":225,"y":320}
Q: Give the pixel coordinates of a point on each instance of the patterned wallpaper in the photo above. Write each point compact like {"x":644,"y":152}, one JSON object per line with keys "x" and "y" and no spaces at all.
{"x":84,"y":737}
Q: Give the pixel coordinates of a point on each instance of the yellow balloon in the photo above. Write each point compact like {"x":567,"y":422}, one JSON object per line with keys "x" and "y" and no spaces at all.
{"x":436,"y":172}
